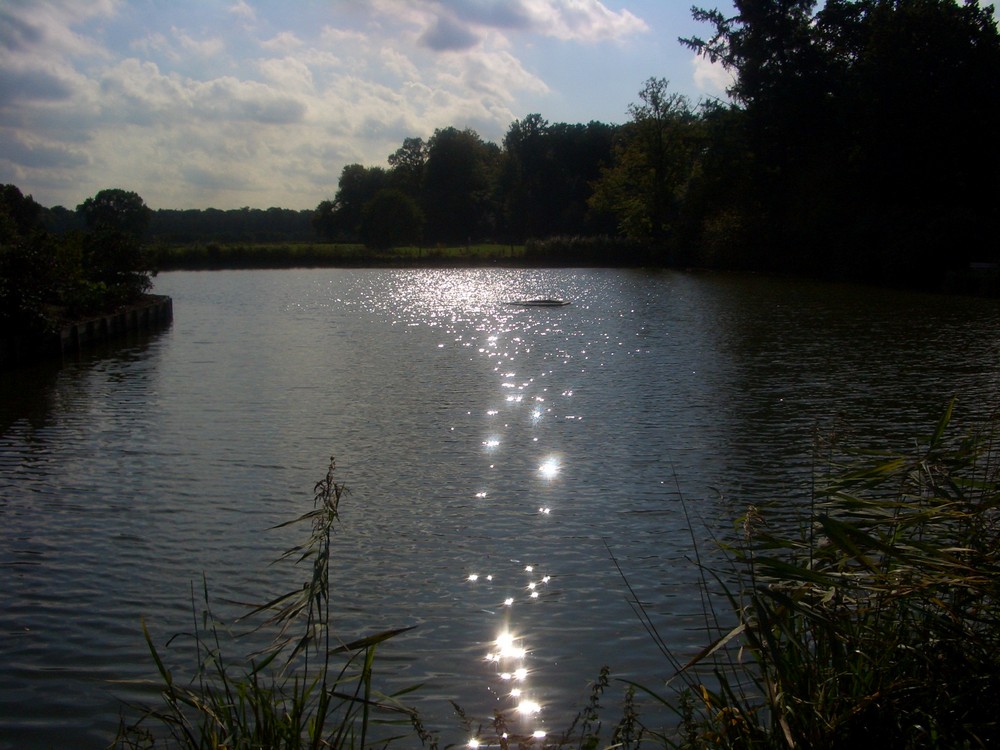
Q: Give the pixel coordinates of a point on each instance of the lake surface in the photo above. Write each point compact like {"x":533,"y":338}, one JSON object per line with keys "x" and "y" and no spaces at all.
{"x":497,"y":457}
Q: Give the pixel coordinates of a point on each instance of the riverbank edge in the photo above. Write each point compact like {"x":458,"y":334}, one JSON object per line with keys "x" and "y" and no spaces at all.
{"x":151,"y":312}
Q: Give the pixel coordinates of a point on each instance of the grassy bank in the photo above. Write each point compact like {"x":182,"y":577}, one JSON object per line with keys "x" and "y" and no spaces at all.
{"x":215,"y":256}
{"x":554,"y":251}
{"x":872,"y":618}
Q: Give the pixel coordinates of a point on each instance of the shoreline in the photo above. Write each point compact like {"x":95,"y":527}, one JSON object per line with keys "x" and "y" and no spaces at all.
{"x":150,"y":312}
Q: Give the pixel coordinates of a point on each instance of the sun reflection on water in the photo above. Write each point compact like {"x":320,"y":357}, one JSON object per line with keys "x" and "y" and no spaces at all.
{"x":525,"y":410}
{"x":550,"y":468}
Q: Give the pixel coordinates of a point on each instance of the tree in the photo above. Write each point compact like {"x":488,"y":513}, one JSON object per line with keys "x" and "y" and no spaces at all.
{"x":341,"y":218}
{"x":27,"y":278}
{"x":113,"y":253}
{"x":390,"y":219}
{"x":655,"y":157}
{"x":116,"y":210}
{"x":458,"y":182}
{"x":407,"y":166}
{"x":860,"y":118}
{"x":525,"y":178}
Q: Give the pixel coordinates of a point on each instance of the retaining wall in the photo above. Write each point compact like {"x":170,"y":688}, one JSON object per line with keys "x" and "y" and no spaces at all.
{"x":153,"y":312}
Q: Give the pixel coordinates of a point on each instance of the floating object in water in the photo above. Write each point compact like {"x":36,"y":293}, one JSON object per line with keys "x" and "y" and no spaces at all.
{"x":540,"y":302}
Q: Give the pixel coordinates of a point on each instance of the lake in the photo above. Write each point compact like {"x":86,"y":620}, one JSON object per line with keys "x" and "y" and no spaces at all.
{"x":500,"y":461}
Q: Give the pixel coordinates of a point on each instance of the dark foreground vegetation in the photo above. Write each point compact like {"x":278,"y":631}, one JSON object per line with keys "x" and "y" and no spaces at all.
{"x":869,"y":621}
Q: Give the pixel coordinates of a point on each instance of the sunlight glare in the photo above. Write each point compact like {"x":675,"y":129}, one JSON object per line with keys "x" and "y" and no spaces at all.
{"x":549,"y":468}
{"x":529,"y":707}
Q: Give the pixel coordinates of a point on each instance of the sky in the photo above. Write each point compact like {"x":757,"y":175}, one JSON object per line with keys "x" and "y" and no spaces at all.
{"x":261,"y":103}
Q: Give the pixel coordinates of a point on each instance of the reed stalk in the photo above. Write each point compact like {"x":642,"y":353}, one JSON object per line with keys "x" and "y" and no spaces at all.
{"x":306,"y":689}
{"x":877,"y":624}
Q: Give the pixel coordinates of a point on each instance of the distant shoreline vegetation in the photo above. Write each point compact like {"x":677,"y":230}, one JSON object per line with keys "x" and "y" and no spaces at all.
{"x":553,"y":252}
{"x":849,"y":152}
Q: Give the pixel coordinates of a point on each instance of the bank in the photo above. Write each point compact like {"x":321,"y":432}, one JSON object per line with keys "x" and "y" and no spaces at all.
{"x":151,"y":312}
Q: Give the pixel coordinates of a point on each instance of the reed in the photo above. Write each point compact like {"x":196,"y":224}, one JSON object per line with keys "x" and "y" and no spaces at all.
{"x":876,"y":623}
{"x":305,"y":689}
{"x":873,"y":620}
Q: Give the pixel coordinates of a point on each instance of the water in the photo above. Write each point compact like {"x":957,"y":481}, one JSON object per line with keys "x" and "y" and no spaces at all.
{"x":493,"y":453}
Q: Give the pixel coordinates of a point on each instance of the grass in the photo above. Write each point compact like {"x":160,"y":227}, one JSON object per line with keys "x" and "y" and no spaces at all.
{"x":214,"y":256}
{"x":872,"y":621}
{"x":875,"y":623}
{"x":306,"y":689}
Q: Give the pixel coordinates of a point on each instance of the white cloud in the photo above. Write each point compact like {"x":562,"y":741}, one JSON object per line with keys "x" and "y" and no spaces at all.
{"x":208,"y":47}
{"x":286,"y":41}
{"x":398,"y":64}
{"x":711,"y":77}
{"x":582,"y":20}
{"x":289,"y":74}
{"x":243,"y":10}
{"x":243,"y":104}
{"x":47,"y":27}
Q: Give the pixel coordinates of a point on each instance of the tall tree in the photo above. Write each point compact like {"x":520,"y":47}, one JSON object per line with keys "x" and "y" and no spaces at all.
{"x":860,"y":119}
{"x":117,"y":210}
{"x":458,"y":181}
{"x":114,"y":255}
{"x":524,"y":178}
{"x":406,"y":166}
{"x":391,"y":218}
{"x":26,"y":264}
{"x":340,"y":218}
{"x":655,"y":158}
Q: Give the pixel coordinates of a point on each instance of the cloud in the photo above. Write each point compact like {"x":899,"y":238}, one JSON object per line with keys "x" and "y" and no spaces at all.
{"x":21,"y":152}
{"x":496,"y":14}
{"x":32,"y":85}
{"x":711,"y":76}
{"x":242,"y":10}
{"x":47,"y":28}
{"x":17,"y":34}
{"x":447,"y":34}
{"x":582,"y":20}
{"x":285,"y":41}
{"x":453,"y":25}
{"x":247,"y":104}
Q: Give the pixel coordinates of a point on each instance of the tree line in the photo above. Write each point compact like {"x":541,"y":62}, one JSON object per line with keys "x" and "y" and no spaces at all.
{"x":858,"y":144}
{"x":197,"y":225}
{"x":47,"y":276}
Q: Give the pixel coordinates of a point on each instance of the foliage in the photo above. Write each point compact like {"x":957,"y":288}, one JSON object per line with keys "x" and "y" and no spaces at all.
{"x":340,"y":219}
{"x":655,"y":158}
{"x":875,"y":623}
{"x":26,"y":264}
{"x":545,"y":178}
{"x":457,"y":187}
{"x":407,"y":165}
{"x":851,"y":114}
{"x":114,"y":257}
{"x":596,"y":250}
{"x":118,"y":211}
{"x":47,"y":277}
{"x":244,"y":225}
{"x":389,"y":219}
{"x":325,"y":255}
{"x":308,"y":689}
